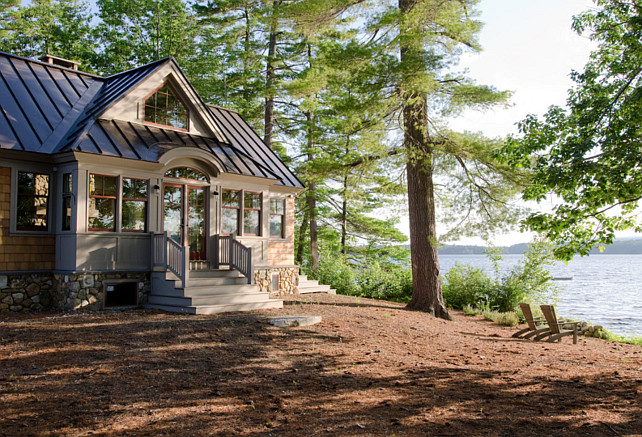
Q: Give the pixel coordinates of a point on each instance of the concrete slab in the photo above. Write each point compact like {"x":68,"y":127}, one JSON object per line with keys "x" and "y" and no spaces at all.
{"x":285,"y":322}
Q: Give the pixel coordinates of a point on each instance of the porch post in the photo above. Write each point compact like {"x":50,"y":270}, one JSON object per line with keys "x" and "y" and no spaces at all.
{"x":185,"y":278}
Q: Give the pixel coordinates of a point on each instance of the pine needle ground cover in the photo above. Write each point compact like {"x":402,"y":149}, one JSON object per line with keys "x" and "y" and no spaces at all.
{"x":369,"y":368}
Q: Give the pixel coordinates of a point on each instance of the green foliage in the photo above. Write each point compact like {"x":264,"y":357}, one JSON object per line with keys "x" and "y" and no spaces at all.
{"x":528,"y":281}
{"x":368,"y":279}
{"x":55,"y":27}
{"x":467,"y":285}
{"x":469,"y":310}
{"x":131,"y":34}
{"x":588,"y":155}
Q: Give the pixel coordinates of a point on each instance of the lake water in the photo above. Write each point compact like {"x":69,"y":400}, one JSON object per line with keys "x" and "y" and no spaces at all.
{"x":605,"y":290}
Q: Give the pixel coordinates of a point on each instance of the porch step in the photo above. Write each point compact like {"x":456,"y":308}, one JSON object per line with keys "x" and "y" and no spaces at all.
{"x":311,"y":286}
{"x":266,"y":304}
{"x":213,"y":298}
{"x":207,"y":292}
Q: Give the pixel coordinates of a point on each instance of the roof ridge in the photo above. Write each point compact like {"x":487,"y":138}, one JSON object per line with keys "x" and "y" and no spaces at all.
{"x":46,"y":64}
{"x":222,"y":108}
{"x":140,"y":67}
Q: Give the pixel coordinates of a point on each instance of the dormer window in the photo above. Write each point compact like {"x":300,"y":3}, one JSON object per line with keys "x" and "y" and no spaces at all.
{"x":164,"y":108}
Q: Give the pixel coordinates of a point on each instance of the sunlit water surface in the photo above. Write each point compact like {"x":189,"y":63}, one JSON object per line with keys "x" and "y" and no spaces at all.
{"x":604,"y":289}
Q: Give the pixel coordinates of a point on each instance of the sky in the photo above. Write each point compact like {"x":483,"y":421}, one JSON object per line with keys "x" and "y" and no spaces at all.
{"x":530,"y":49}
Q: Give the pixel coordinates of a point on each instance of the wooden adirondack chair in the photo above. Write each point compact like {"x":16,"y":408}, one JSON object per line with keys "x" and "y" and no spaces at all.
{"x":556,"y":327}
{"x":535,"y":324}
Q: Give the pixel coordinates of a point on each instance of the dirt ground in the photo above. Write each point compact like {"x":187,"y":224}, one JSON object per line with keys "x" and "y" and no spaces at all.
{"x":369,"y":368}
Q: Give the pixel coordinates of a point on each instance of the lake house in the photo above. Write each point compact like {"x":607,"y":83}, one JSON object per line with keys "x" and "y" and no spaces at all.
{"x":130,"y":190}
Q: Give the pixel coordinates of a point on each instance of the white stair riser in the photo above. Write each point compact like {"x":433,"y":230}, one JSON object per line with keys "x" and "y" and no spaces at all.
{"x":217,"y":309}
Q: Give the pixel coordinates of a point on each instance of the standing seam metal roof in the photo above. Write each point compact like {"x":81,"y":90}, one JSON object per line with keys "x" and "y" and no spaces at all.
{"x":49,"y":109}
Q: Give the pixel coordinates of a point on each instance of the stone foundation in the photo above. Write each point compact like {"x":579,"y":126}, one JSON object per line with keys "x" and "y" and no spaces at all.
{"x":288,"y":280}
{"x":27,"y":291}
{"x":86,"y":291}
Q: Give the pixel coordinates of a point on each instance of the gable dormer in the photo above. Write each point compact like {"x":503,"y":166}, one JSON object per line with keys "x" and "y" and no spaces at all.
{"x":164,"y":98}
{"x":164,"y":108}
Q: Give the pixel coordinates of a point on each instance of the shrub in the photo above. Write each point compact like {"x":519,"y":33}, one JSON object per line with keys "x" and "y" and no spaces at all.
{"x":528,"y":281}
{"x":368,"y":279}
{"x":508,"y":319}
{"x":471,"y":311}
{"x":466,"y":285}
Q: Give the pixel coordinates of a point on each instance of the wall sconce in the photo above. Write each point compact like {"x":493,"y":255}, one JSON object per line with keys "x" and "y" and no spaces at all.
{"x":156,"y":190}
{"x":214,"y":193}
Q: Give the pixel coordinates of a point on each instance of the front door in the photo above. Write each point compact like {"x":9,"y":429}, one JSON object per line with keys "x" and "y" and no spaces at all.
{"x":185,"y":215}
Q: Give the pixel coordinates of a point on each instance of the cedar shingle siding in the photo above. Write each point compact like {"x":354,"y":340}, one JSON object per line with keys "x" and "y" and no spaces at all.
{"x":20,"y":253}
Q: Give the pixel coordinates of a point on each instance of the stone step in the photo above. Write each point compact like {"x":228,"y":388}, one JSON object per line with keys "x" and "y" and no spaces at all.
{"x":216,"y":309}
{"x":312,"y":286}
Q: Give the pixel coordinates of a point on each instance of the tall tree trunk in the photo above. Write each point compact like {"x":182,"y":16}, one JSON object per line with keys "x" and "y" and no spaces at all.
{"x":269,"y":78}
{"x":314,"y":239}
{"x":426,"y":281}
{"x":344,"y":216}
{"x":302,"y":231}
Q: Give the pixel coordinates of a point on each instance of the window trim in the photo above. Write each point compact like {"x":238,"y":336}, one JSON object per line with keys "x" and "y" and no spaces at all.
{"x":124,"y":199}
{"x":260,"y":211}
{"x":283,"y":216}
{"x":239,"y":218}
{"x":115,"y":198}
{"x":187,"y":112}
{"x":16,"y":197}
{"x":66,"y":196}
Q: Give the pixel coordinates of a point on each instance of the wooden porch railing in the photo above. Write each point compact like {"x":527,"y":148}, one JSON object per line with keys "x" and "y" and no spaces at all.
{"x":169,"y":255}
{"x":229,"y":251}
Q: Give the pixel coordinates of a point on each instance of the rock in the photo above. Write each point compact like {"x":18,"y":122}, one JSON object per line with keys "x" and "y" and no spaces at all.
{"x":33,"y":289}
{"x":8,"y":300}
{"x":88,"y":281}
{"x":285,"y":322}
{"x":18,"y":298}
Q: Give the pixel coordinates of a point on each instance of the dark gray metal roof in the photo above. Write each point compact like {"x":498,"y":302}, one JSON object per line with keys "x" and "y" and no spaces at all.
{"x":50,"y":109}
{"x":244,"y":138}
{"x":35,"y":98}
{"x":148,"y":143}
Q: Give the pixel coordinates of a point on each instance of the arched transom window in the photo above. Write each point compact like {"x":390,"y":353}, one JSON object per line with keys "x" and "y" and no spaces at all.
{"x":163,"y":107}
{"x":186,"y":173}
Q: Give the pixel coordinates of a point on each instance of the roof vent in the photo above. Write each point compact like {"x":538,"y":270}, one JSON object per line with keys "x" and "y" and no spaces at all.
{"x":61,"y":62}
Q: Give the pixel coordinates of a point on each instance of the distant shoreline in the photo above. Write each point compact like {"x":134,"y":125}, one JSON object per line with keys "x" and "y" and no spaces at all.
{"x":620,"y":247}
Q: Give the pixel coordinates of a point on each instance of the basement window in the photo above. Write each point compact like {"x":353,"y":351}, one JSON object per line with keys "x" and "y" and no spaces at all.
{"x":121,"y":294}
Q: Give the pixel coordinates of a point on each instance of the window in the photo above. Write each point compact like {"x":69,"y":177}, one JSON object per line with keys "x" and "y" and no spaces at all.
{"x":277,"y":218}
{"x":186,"y":173}
{"x":164,"y":107}
{"x":33,"y":201}
{"x":251,"y":213}
{"x":102,"y":202}
{"x":230,"y":211}
{"x":67,"y":189}
{"x":134,"y":215}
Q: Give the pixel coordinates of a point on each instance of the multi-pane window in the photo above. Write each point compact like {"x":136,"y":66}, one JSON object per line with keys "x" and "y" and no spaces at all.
{"x":66,"y":201}
{"x":251,"y":213}
{"x":134,"y":215}
{"x":164,"y":107}
{"x":230,"y":211}
{"x":277,"y":218}
{"x":33,"y":201}
{"x":102,"y":202}
{"x":186,"y":173}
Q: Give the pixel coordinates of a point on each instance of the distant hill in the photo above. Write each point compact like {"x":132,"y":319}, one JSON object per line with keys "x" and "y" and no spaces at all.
{"x":631,"y":246}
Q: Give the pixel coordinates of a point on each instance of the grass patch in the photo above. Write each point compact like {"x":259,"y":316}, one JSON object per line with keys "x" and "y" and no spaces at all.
{"x":469,"y":310}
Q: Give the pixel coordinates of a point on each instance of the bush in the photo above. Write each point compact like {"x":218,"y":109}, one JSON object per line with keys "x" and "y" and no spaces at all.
{"x":471,"y":311}
{"x":466,"y":285}
{"x":528,"y":281}
{"x":370,"y":279}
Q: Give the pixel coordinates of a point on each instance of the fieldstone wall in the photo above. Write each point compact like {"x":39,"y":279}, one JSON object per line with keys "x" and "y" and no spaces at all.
{"x":36,"y":291}
{"x":288,"y":280}
{"x":24,"y":292}
{"x":87,"y":291}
